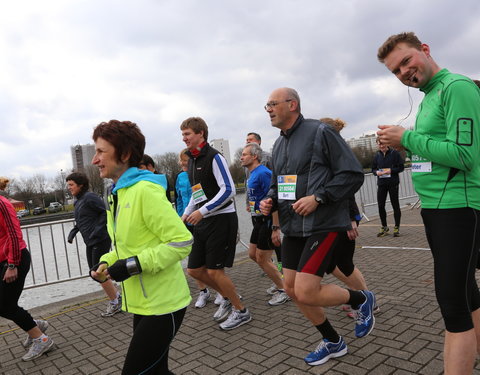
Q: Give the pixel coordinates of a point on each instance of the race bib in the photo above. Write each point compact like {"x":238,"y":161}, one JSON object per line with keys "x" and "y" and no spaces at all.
{"x":198,"y":194}
{"x":420,"y":164}
{"x":386,"y":175}
{"x":252,"y":206}
{"x":287,"y":186}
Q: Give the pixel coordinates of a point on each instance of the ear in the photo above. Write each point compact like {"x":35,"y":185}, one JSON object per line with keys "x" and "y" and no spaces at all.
{"x":125,"y":157}
{"x":426,"y":49}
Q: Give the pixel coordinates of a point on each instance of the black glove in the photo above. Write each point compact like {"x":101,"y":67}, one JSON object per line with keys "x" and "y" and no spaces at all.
{"x":94,"y":268}
{"x":122,"y":269}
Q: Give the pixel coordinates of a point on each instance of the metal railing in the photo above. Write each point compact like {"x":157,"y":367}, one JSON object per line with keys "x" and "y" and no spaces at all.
{"x":54,"y":260}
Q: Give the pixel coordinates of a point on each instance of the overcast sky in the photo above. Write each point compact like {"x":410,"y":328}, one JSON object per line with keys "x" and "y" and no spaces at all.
{"x":66,"y":66}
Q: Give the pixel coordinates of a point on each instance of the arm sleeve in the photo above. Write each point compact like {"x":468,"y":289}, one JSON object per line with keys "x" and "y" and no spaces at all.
{"x":347,"y":174}
{"x":460,"y":149}
{"x":175,"y":239}
{"x":224,"y":182}
{"x":10,"y":225}
{"x":397,"y":166}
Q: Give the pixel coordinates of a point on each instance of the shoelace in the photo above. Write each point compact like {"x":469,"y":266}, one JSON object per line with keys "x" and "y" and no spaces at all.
{"x":360,"y":317}
{"x":320,"y":346}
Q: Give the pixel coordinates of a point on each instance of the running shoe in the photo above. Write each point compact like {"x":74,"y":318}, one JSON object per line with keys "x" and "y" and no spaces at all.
{"x":39,"y":346}
{"x":236,"y":319}
{"x":272,"y":290}
{"x":396,"y":232}
{"x":113,"y":308}
{"x":202,"y":299}
{"x":383,"y":232}
{"x":218,"y":299}
{"x":364,"y":318}
{"x":42,"y":325}
{"x":279,"y":298}
{"x":326,"y":350}
{"x":223,"y":311}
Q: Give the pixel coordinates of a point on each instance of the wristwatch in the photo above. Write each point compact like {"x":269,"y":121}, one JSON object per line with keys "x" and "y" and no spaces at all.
{"x":275,"y":227}
{"x":12,"y":266}
{"x":318,"y":200}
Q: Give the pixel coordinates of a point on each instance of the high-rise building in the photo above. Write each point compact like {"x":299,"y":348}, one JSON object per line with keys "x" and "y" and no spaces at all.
{"x":366,"y":141}
{"x":82,"y":156}
{"x":223,"y":147}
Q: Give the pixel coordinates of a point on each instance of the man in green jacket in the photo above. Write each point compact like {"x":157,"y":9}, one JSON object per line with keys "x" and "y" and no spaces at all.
{"x":444,"y":148}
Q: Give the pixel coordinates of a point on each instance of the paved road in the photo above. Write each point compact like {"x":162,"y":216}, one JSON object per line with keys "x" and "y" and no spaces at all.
{"x":407,"y":338}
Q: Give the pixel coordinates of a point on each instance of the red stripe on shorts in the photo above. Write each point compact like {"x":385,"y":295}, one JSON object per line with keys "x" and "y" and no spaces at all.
{"x":315,"y":261}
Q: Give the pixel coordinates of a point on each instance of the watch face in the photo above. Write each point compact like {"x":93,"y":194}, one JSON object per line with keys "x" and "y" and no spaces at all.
{"x":11,"y":266}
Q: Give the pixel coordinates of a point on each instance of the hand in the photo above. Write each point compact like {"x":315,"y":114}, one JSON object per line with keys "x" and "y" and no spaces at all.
{"x":391,"y":135}
{"x":10,"y":275}
{"x":266,"y":206}
{"x":101,"y":273}
{"x":184,"y":217}
{"x":353,"y":233}
{"x":305,"y":206}
{"x":276,"y":238}
{"x":195,"y":217}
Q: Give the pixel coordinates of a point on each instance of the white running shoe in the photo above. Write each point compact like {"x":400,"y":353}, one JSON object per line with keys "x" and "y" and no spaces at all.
{"x":223,"y":311}
{"x":218,"y":299}
{"x":279,"y":298}
{"x":42,"y":325}
{"x":236,"y":319}
{"x":39,"y":346}
{"x":202,"y":299}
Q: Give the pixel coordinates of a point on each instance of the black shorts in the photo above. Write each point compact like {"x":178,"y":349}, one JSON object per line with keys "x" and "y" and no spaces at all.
{"x":262,"y":232}
{"x":314,"y":255}
{"x":214,"y":242}
{"x":95,"y":252}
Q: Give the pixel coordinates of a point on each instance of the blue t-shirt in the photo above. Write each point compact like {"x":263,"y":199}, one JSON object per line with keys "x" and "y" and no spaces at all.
{"x":258,"y":185}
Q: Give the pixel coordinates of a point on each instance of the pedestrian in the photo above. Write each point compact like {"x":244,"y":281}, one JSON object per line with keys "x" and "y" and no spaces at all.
{"x":314,"y":173}
{"x":14,"y":266}
{"x":148,"y":164}
{"x":91,"y":222}
{"x":444,"y":148}
{"x":387,"y":164}
{"x":212,"y":212}
{"x":260,"y":249}
{"x":345,"y":269}
{"x":183,"y":193}
{"x":149,"y":242}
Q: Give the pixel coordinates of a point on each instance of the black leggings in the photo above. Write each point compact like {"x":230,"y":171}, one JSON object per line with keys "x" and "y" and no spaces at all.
{"x":454,"y":239}
{"x":148,"y":350}
{"x":10,"y":293}
{"x":382,"y":192}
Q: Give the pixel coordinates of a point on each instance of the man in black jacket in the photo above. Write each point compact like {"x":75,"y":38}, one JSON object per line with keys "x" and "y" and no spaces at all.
{"x":91,"y":222}
{"x":314,"y":173}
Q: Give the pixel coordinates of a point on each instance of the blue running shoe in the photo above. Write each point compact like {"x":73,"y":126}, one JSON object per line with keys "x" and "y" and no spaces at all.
{"x":364,"y":318}
{"x":326,"y":350}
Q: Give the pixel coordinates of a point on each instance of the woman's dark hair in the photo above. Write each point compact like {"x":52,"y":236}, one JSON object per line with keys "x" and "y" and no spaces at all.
{"x":125,"y":136}
{"x":147,"y":160}
{"x":80,"y":179}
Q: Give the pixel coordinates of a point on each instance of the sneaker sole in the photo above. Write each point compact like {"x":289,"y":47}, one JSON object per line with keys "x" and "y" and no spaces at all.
{"x":278,"y":304}
{"x":341,"y":353}
{"x":223,"y":317}
{"x":241,"y":324}
{"x":105,"y":315}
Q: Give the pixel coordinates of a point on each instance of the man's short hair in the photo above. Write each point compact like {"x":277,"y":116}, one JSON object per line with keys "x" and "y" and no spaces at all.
{"x":293,"y":94}
{"x":197,"y":124}
{"x":255,"y":150}
{"x":337,"y":124}
{"x":80,"y":179}
{"x":407,"y":37}
{"x":477,"y":82}
{"x":125,"y":137}
{"x":256,"y":136}
{"x":147,"y":160}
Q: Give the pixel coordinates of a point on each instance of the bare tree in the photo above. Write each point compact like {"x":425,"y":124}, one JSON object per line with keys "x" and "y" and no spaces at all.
{"x":96,"y":182}
{"x":236,"y":169}
{"x":167,"y":164}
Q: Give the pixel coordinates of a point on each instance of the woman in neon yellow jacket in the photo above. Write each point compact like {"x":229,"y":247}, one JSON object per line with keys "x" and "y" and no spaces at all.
{"x":149,"y":241}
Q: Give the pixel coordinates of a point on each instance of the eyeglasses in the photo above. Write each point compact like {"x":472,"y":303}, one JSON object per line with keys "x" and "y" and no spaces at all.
{"x":273,"y":104}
